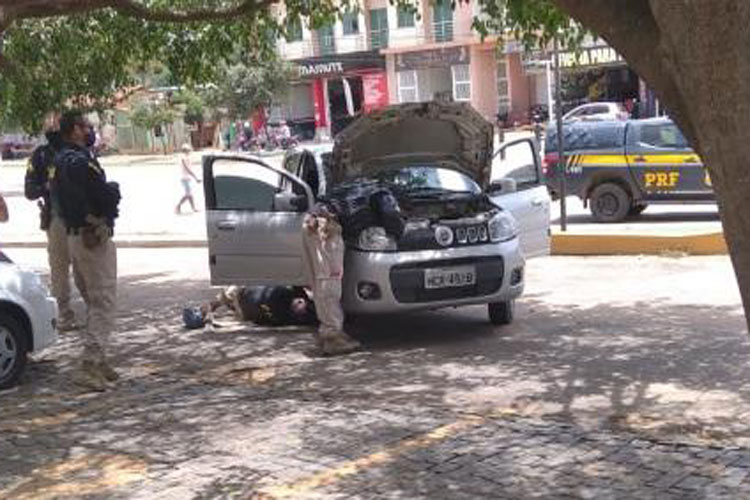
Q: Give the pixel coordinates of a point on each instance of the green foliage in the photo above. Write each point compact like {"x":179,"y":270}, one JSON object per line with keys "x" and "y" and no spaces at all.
{"x":195,"y":105}
{"x":243,"y":86}
{"x":533,"y":22}
{"x":84,"y":60}
{"x":149,"y":116}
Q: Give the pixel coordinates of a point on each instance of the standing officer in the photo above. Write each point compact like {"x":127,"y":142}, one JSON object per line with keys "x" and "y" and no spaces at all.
{"x":39,"y":176}
{"x":89,"y":208}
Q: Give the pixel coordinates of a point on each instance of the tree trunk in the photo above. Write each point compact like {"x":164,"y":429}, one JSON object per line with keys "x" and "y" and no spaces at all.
{"x":693,"y":53}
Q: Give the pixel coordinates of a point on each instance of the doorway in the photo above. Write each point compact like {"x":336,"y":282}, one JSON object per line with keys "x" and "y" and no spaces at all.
{"x":342,"y":111}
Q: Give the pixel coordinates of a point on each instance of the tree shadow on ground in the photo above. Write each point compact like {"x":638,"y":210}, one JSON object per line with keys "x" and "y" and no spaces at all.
{"x":244,"y":400}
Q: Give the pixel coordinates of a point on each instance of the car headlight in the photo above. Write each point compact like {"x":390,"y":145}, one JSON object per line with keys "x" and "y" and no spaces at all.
{"x":375,"y":239}
{"x":444,"y":235}
{"x":502,"y":227}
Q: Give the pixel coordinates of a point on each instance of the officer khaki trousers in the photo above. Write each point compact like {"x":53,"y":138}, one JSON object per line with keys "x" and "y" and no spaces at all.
{"x":58,"y":256}
{"x":324,"y":259}
{"x":97,"y":268}
{"x":327,"y":296}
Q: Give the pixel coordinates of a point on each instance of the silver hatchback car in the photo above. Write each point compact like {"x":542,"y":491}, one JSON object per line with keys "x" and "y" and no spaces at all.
{"x":470,"y":216}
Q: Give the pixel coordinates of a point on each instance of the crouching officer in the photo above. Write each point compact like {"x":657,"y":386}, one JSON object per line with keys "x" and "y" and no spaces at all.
{"x":89,"y":207}
{"x":39,"y":176}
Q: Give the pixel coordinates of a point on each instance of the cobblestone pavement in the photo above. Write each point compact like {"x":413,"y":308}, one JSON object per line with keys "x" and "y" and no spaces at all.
{"x":601,"y":389}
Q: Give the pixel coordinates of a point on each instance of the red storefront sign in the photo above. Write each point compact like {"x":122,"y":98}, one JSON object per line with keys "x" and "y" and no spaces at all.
{"x":375,"y":90}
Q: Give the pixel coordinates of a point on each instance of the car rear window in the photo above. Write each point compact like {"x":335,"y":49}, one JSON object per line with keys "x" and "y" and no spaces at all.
{"x":662,"y":135}
{"x":579,"y":136}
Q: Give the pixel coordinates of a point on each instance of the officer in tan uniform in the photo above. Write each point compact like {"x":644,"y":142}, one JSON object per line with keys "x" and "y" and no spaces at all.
{"x":39,"y":176}
{"x":89,"y":207}
{"x":324,"y":260}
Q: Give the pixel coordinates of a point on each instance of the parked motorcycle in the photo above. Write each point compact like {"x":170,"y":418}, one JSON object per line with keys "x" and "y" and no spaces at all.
{"x":281,"y":137}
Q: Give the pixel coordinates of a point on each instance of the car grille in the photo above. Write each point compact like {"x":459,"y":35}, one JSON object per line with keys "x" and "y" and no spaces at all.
{"x":464,"y":235}
{"x":407,"y":280}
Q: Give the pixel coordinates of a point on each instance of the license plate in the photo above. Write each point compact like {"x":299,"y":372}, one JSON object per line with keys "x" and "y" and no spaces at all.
{"x":449,"y":277}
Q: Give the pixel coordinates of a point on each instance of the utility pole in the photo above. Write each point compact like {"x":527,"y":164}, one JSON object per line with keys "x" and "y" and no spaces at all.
{"x":550,"y":100}
{"x":560,"y":150}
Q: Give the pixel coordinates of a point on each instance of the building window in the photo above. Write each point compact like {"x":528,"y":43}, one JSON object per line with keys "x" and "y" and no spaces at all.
{"x":294,"y":30}
{"x":326,"y":40}
{"x":407,"y":86}
{"x":442,"y":21}
{"x":461,"y":82}
{"x":350,"y":21}
{"x":379,"y":28}
{"x":503,"y":88}
{"x":405,"y":17}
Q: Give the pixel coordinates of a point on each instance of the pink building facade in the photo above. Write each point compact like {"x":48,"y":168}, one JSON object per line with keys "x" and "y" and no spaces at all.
{"x":381,"y":54}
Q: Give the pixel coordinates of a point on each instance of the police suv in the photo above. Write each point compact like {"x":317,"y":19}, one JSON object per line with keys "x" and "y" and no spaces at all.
{"x":619,"y":167}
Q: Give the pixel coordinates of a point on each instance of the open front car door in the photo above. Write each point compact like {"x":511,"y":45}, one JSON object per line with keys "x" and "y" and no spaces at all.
{"x":516,"y":185}
{"x":254,"y":216}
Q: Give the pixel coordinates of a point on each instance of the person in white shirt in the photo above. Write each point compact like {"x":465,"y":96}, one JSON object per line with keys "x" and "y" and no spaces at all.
{"x":186,"y":177}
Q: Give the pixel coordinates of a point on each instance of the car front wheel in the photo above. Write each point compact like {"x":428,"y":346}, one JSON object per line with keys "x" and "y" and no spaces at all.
{"x":501,"y":313}
{"x":13,"y":351}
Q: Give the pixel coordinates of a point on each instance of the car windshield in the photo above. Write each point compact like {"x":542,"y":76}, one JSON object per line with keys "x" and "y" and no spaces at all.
{"x":417,"y":179}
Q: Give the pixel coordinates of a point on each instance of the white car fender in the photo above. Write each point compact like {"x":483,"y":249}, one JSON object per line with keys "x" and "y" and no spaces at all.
{"x":26,"y":290}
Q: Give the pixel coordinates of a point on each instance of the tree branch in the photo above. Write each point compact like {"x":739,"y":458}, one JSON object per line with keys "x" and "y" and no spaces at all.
{"x":134,"y":9}
{"x":25,"y":9}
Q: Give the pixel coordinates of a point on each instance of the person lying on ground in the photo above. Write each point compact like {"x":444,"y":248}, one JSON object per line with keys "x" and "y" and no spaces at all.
{"x":267,"y":305}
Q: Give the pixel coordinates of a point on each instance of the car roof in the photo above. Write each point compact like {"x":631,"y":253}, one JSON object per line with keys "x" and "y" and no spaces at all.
{"x":597,"y":103}
{"x":656,"y":120}
{"x":592,"y":104}
{"x":607,"y":134}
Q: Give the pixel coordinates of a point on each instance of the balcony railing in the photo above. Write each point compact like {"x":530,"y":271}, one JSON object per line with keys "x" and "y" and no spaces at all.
{"x":323,"y":45}
{"x":379,"y":39}
{"x":327,"y":45}
{"x":443,"y":31}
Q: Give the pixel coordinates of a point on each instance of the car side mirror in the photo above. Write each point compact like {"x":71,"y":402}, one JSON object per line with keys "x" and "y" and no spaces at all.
{"x":503,"y":186}
{"x":290,"y":202}
{"x":299,"y":202}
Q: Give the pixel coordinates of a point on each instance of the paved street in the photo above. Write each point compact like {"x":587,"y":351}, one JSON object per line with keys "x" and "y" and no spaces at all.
{"x":602,"y":388}
{"x":151,"y":188}
{"x":663,"y":220}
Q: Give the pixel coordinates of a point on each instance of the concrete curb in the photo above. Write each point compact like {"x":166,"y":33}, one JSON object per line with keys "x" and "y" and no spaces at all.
{"x":637,"y":244}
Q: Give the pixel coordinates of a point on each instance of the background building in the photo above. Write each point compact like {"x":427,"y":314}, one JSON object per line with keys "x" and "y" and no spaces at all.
{"x":383,"y":54}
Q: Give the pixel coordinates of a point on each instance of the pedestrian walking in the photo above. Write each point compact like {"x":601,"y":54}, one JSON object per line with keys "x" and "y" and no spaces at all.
{"x":3,"y":210}
{"x":186,"y":177}
{"x":39,"y":176}
{"x":89,"y":207}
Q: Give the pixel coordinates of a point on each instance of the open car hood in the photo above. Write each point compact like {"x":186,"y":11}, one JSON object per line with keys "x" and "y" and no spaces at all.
{"x":453,"y":133}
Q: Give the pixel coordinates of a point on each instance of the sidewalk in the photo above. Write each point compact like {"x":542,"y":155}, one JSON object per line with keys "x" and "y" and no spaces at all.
{"x":689,"y":229}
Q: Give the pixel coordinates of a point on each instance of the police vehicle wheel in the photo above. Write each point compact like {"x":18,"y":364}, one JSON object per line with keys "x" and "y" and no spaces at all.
{"x":637,"y":209}
{"x":609,"y":203}
{"x":501,"y":313}
{"x":13,"y":351}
